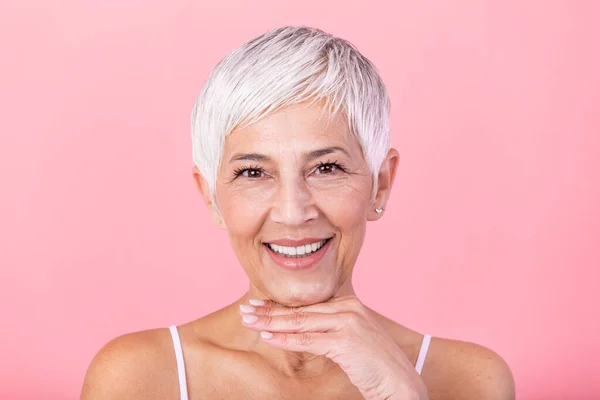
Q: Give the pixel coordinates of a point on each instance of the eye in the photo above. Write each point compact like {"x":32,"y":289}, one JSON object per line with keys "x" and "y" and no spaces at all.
{"x":328,"y":168}
{"x":250,"y":172}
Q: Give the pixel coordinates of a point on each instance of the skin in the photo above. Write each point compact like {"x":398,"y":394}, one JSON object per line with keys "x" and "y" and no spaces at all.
{"x":320,"y":338}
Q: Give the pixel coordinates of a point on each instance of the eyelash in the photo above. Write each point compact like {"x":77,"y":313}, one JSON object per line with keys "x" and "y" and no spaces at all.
{"x":240,"y":171}
{"x":335,"y":164}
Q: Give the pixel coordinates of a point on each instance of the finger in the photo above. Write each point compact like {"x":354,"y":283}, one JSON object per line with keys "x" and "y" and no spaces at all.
{"x":321,"y":308}
{"x":343,"y":299}
{"x":336,"y":299}
{"x":272,"y":308}
{"x":311,"y":342}
{"x":261,"y":307}
{"x":297,"y":322}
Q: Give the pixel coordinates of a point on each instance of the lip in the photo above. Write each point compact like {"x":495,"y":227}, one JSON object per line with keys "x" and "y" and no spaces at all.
{"x":301,"y":263}
{"x":295,"y":243}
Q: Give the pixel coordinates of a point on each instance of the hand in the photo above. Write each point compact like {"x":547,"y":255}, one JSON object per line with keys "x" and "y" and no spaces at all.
{"x":342,"y":330}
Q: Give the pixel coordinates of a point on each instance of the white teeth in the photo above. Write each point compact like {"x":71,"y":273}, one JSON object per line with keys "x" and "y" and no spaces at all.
{"x":297,"y":251}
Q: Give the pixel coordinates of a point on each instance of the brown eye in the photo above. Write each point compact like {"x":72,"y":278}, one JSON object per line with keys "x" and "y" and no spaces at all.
{"x":253,"y":173}
{"x":249,"y":172}
{"x":329,"y":168}
{"x":326,"y":168}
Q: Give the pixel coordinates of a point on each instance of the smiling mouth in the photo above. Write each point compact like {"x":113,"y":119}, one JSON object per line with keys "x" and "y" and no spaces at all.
{"x":304,"y":250}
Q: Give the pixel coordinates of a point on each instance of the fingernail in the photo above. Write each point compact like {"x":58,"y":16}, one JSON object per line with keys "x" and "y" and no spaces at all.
{"x":266,"y":335}
{"x":256,"y":302}
{"x":245,"y":308}
{"x":250,"y":318}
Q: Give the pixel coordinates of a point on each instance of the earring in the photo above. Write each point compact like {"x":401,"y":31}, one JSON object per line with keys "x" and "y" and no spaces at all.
{"x":379,"y":210}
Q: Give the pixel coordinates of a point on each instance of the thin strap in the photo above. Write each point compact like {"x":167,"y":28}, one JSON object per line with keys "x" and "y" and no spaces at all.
{"x":423,"y":353}
{"x":180,"y":365}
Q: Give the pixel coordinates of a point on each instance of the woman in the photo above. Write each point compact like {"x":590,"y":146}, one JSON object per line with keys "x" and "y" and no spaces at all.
{"x":292,"y":157}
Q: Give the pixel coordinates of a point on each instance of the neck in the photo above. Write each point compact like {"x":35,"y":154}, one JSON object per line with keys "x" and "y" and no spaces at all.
{"x":289,"y":363}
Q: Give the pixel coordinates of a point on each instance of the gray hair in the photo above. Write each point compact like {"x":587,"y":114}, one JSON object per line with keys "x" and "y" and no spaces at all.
{"x":283,"y":67}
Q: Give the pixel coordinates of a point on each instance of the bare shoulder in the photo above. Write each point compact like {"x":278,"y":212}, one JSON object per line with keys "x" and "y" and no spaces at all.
{"x":456,"y":369}
{"x":139,"y":365}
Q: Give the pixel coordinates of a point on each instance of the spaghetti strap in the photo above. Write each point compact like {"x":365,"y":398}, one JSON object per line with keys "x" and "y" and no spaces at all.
{"x":180,"y":364}
{"x":423,"y":353}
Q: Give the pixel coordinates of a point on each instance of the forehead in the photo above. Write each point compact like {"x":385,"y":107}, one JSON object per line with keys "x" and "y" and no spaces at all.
{"x":299,"y":127}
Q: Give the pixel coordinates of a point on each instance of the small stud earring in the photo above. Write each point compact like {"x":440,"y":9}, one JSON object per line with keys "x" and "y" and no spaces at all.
{"x":379,"y":210}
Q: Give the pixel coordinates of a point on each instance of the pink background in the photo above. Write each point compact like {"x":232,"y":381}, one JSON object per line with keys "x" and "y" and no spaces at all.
{"x":492,"y":234}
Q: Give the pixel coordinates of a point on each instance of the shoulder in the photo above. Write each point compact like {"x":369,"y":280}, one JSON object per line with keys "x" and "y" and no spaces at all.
{"x":464,"y":370}
{"x":134,"y":366}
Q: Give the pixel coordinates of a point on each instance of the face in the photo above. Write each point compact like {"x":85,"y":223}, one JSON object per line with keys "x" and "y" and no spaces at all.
{"x":294,"y":195}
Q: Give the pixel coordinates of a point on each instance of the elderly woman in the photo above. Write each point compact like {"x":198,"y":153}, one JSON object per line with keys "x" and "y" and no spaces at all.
{"x":292,"y":158}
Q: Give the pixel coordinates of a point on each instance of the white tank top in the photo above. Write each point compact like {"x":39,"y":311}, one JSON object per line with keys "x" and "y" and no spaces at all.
{"x":183,"y":394}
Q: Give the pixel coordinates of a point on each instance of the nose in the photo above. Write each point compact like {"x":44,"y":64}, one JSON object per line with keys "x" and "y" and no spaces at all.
{"x":294,"y":203}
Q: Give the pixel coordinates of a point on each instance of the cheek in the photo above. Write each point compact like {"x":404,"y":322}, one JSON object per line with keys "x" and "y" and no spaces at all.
{"x":243,"y":210}
{"x":345,"y":205}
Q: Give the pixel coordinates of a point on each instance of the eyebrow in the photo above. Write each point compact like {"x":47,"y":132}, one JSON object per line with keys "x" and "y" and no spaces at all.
{"x":308,"y":157}
{"x":327,"y":150}
{"x":249,"y":157}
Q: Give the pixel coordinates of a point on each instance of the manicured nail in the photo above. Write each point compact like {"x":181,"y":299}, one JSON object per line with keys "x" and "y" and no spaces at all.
{"x":256,"y":302}
{"x":250,"y":318}
{"x":245,"y":308}
{"x":266,"y":335}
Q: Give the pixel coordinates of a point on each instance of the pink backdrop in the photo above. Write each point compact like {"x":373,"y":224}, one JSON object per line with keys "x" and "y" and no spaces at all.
{"x":492,"y":233}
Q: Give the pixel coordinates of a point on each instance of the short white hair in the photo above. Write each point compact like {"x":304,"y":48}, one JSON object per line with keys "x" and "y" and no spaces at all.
{"x":283,"y":67}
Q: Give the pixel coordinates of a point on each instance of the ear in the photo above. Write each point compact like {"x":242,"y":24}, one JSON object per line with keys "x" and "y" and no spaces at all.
{"x":385,"y":180}
{"x":204,"y":190}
